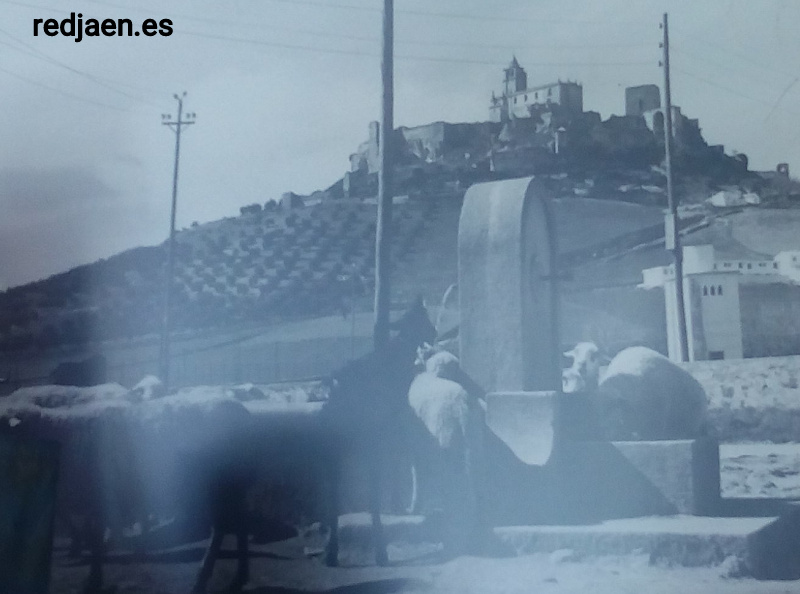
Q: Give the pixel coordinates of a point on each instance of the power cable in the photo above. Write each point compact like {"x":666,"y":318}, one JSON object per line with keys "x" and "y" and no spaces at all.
{"x":303,"y":47}
{"x":105,"y":83}
{"x":65,"y":93}
{"x":352,"y":37}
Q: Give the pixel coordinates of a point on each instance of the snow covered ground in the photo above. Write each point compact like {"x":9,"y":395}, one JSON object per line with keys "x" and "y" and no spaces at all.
{"x":760,"y":470}
{"x":275,"y":572}
{"x":748,"y":470}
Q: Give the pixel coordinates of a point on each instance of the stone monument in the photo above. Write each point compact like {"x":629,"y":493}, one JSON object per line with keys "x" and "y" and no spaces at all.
{"x":509,"y":311}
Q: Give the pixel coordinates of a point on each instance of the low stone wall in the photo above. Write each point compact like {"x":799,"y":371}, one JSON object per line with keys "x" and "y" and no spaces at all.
{"x":752,"y":399}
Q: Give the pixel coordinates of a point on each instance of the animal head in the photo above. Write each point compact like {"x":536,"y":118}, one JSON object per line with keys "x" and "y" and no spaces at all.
{"x":585,"y":371}
{"x":415,"y":326}
{"x":424,"y":352}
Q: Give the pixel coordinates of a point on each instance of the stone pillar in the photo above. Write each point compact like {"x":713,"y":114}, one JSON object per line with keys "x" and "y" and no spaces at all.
{"x":508,"y":332}
{"x":506,"y":278}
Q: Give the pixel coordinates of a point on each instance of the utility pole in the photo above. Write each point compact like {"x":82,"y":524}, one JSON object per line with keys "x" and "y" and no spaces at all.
{"x":671,"y":231}
{"x":383,"y":231}
{"x":176,"y":125}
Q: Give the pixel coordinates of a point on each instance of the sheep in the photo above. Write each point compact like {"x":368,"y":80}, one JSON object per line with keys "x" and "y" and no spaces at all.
{"x":439,"y":360}
{"x":147,"y":388}
{"x":448,"y":458}
{"x":366,"y":412}
{"x":584,"y":375}
{"x":641,"y":396}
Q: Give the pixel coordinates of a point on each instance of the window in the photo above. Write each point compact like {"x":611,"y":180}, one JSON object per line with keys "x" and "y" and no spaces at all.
{"x":705,"y":291}
{"x":741,"y":265}
{"x":536,"y":95}
{"x":719,"y":290}
{"x":549,"y":92}
{"x":774,"y":264}
{"x":712,"y":291}
{"x":716,"y":355}
{"x":526,"y":97}
{"x":749,"y":265}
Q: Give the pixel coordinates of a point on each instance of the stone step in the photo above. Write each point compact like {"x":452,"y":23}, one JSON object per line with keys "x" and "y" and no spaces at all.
{"x":674,"y":540}
{"x":768,"y":546}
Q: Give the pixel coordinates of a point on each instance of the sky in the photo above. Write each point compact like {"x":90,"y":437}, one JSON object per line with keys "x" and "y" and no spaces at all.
{"x":283,"y":92}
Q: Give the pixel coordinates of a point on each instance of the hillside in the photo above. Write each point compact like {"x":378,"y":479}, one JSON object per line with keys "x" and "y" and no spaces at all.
{"x":275,"y":265}
{"x":312,"y":256}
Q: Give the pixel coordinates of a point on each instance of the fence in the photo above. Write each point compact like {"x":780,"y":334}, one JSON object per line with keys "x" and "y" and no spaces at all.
{"x":267,"y":362}
{"x":264,"y":363}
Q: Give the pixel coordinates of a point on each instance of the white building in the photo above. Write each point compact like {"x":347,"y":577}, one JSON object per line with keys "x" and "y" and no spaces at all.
{"x":728,"y":197}
{"x":711,"y":298}
{"x":517,"y":100}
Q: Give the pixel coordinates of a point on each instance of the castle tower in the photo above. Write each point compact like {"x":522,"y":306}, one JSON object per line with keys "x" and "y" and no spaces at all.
{"x":516,"y":78}
{"x":641,"y":99}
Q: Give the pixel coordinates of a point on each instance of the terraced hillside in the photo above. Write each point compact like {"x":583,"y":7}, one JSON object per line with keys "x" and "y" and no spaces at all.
{"x":277,"y":264}
{"x":269,"y":265}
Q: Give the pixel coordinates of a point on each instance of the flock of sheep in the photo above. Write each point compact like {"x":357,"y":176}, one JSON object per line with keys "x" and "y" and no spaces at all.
{"x":640,"y":395}
{"x":140,"y":455}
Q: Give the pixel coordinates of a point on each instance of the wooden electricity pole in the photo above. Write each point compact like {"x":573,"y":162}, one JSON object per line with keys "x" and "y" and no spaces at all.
{"x":383,"y":231}
{"x":671,"y":231}
{"x":176,"y":126}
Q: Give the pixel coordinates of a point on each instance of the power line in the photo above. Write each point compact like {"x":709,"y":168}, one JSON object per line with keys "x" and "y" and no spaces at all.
{"x":354,"y":37}
{"x":36,"y":53}
{"x":311,"y":48}
{"x":729,"y":90}
{"x":725,"y":66}
{"x":377,"y":11}
{"x":694,"y":57}
{"x":451,"y":15}
{"x":18,"y":49}
{"x":275,"y":44}
{"x":36,"y":6}
{"x":517,"y":47}
{"x":65,"y":93}
{"x":778,"y":101}
{"x":741,"y":55}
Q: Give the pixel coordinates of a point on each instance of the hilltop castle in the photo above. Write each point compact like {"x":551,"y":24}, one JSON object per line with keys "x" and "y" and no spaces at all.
{"x":517,"y":100}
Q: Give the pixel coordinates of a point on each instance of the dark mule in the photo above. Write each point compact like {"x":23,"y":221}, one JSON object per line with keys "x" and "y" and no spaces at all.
{"x":366,"y":411}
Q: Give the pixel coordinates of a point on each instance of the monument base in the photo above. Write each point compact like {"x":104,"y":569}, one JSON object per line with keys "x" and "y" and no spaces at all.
{"x":638,"y":478}
{"x":539,"y":471}
{"x":766,"y":546}
{"x":525,"y":422}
